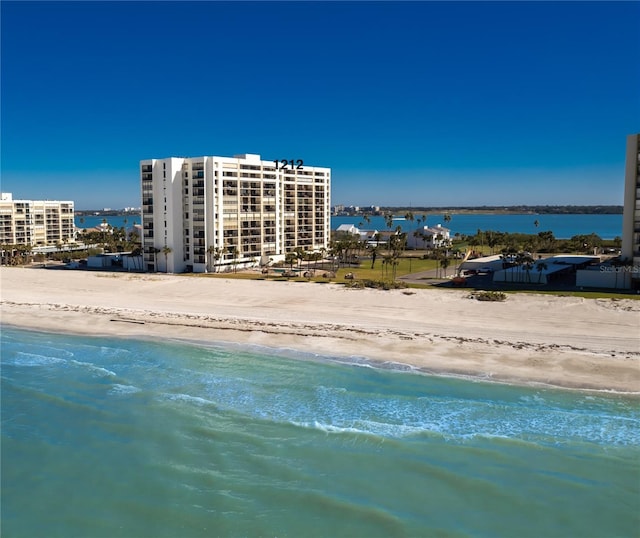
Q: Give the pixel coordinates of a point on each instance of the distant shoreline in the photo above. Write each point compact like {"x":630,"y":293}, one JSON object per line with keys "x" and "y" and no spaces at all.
{"x":481,"y":210}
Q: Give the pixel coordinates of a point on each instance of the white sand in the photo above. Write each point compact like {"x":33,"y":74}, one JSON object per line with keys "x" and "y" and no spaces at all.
{"x":560,"y":341}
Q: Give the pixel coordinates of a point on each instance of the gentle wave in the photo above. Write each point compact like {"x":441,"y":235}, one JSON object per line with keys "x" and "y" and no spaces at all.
{"x":384,"y":402}
{"x":33,"y":359}
{"x":338,"y":410}
{"x":94,"y":368}
{"x":188,"y":398}
{"x":118,"y":389}
{"x":186,"y":440}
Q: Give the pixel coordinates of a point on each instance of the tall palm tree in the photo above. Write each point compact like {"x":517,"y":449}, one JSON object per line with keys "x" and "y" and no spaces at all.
{"x":444,"y":263}
{"x":236,"y":255}
{"x":374,"y":255}
{"x":480,"y":235}
{"x":300,"y":255}
{"x":540,"y":266}
{"x":217,"y":255}
{"x":397,"y":244}
{"x":527,"y":263}
{"x":166,"y":250}
{"x":291,"y":258}
{"x":493,"y":240}
{"x":155,"y":251}
{"x":387,"y":260}
{"x":410,"y":217}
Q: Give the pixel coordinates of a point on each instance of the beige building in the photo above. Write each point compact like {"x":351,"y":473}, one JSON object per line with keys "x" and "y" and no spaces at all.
{"x":35,"y":222}
{"x":631,"y":216}
{"x":211,"y":213}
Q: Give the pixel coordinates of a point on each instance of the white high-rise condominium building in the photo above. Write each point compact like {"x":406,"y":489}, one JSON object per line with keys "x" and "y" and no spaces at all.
{"x":210,"y":213}
{"x":35,"y":222}
{"x":631,"y":216}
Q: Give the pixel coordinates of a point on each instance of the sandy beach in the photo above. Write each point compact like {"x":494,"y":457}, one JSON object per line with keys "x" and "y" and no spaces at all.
{"x":559,"y":341}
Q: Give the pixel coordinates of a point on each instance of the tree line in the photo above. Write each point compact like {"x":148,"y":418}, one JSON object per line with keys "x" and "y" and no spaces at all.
{"x":526,"y":209}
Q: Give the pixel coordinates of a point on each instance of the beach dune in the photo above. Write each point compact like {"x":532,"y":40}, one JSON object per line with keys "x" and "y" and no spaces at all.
{"x":566,"y":342}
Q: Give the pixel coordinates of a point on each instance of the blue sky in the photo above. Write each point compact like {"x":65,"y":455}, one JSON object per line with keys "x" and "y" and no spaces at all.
{"x":420,"y":103}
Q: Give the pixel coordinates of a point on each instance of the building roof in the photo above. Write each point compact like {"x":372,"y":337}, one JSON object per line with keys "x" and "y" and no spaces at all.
{"x":350,"y":228}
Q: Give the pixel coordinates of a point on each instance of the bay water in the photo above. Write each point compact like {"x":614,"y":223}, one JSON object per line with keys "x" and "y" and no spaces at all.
{"x":562,"y":226}
{"x":106,"y":437}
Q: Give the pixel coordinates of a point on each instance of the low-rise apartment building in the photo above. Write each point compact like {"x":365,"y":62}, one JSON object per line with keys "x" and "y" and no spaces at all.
{"x":211,"y":213}
{"x":35,"y":222}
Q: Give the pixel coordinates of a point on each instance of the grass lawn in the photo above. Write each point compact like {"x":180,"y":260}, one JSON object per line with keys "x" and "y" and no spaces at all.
{"x":405,"y":266}
{"x":363,"y":272}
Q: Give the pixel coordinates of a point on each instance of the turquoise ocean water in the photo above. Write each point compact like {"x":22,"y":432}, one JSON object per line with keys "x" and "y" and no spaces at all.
{"x":122,"y":437}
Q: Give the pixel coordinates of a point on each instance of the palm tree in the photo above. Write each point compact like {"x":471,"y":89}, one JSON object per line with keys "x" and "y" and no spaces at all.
{"x":155,"y":252}
{"x":291,"y":258}
{"x":386,"y":262}
{"x":437,"y":241}
{"x":410,"y":217}
{"x":527,"y":263}
{"x":547,"y":240}
{"x":236,"y":255}
{"x":397,"y":244}
{"x":321,"y":256}
{"x":444,"y":263}
{"x":217,"y":254}
{"x":540,"y":266}
{"x":166,"y":250}
{"x":492,"y":240}
{"x":374,"y":255}
{"x":134,"y":238}
{"x":300,"y":255}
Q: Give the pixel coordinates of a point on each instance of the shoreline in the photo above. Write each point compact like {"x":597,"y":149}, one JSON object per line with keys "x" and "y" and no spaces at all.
{"x":530,"y":340}
{"x":353,"y":360}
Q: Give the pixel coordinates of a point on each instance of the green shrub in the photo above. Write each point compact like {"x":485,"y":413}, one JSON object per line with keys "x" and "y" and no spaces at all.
{"x":491,"y":296}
